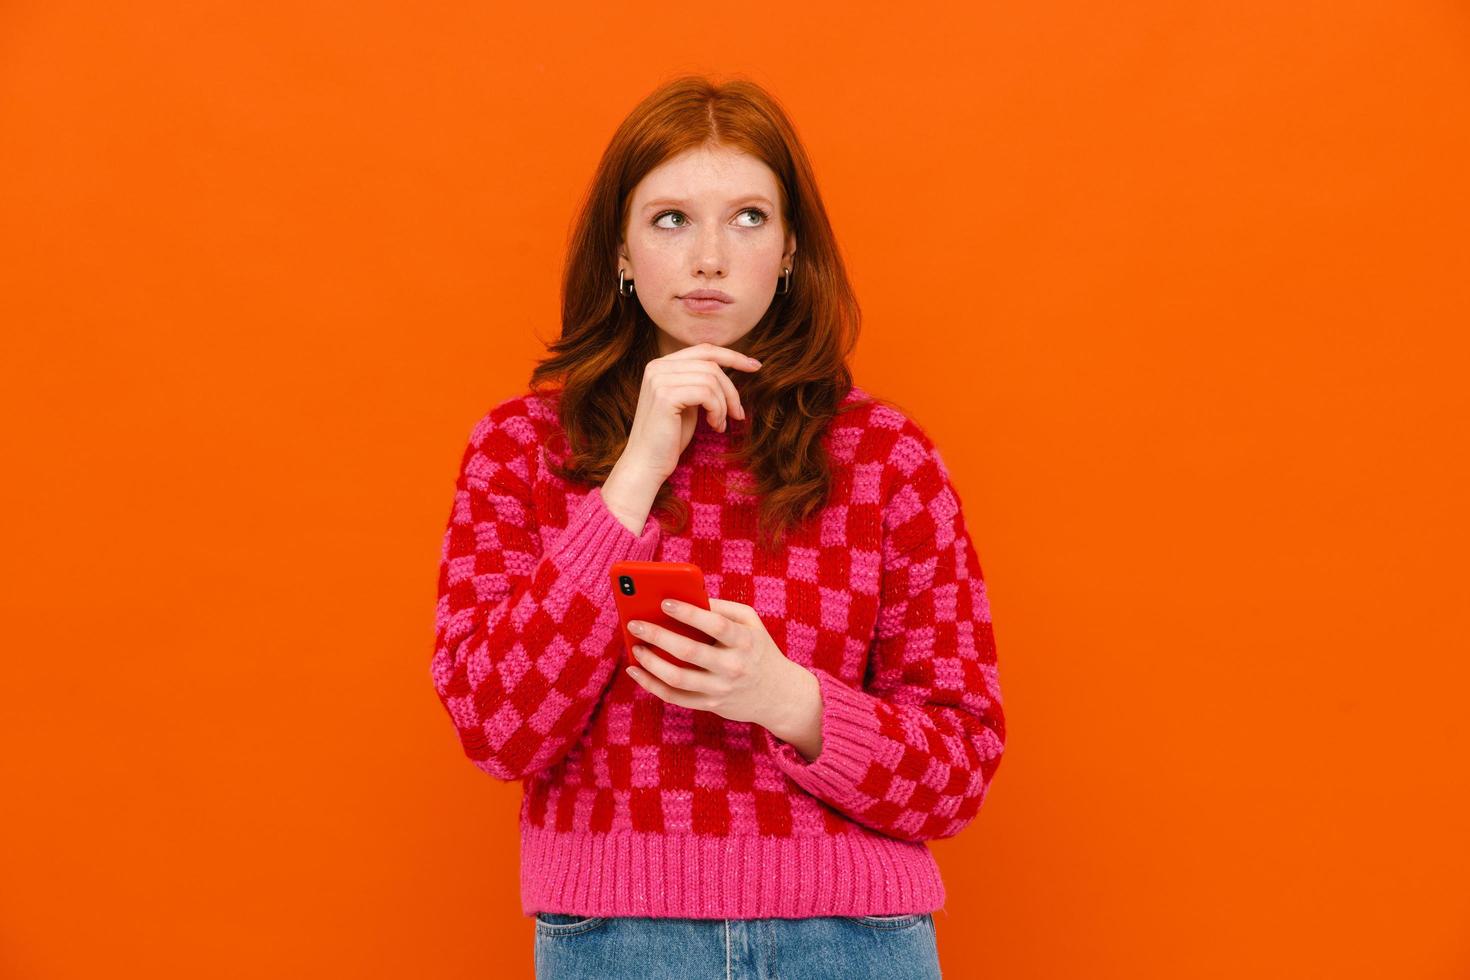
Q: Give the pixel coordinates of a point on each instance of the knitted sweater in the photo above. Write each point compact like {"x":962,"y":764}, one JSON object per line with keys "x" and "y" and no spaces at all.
{"x":633,"y":806}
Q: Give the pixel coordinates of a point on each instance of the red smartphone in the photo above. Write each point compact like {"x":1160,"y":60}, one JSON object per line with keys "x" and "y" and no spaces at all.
{"x":639,"y":588}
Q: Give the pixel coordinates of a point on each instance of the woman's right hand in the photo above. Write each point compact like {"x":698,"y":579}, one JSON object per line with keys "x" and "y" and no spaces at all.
{"x":675,"y":387}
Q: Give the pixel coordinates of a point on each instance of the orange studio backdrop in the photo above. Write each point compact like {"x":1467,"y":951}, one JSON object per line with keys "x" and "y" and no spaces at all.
{"x":1178,"y":289}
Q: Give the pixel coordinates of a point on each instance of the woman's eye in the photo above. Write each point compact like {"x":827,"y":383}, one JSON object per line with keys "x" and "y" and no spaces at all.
{"x":680,"y":215}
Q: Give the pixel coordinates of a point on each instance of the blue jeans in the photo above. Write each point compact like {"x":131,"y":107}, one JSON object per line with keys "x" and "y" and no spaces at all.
{"x":860,"y":947}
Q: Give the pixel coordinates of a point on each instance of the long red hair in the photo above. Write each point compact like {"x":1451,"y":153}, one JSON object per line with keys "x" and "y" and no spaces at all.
{"x":803,"y":340}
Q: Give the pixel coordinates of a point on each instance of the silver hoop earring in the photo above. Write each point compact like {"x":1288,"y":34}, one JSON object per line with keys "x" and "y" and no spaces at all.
{"x":783,"y":292}
{"x":620,"y":285}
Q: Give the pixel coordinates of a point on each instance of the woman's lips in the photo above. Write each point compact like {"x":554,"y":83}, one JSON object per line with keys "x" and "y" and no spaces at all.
{"x":703,"y":305}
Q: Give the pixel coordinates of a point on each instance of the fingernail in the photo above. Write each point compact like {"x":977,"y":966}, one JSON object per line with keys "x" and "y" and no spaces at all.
{"x":669,"y":604}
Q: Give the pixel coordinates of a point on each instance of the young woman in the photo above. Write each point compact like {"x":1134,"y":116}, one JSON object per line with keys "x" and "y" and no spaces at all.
{"x":758,"y":805}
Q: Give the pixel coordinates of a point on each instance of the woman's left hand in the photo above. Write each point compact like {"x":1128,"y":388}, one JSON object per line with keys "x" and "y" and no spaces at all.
{"x":743,"y":676}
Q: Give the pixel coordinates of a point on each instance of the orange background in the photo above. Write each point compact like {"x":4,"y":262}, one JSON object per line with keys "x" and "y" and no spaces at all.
{"x":1180,"y":290}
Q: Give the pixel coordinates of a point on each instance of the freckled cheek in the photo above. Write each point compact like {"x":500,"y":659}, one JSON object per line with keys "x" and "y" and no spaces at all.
{"x":658,"y":271}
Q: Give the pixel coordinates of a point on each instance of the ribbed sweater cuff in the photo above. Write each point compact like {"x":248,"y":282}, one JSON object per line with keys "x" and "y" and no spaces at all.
{"x":849,"y":739}
{"x":593,"y":539}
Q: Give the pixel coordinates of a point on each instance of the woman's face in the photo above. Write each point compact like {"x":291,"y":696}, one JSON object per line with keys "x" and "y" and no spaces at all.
{"x":696,"y":222}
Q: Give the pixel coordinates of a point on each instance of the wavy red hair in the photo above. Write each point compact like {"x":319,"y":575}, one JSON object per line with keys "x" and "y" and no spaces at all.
{"x":803,"y":340}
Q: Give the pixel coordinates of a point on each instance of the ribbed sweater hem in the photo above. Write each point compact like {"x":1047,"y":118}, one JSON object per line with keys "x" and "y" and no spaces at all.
{"x":632,"y":873}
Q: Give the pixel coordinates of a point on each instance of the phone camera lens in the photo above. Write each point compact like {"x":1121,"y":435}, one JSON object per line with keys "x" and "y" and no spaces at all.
{"x":625,"y":583}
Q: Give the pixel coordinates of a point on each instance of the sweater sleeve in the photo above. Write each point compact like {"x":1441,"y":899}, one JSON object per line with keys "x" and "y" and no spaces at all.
{"x":913,"y":752}
{"x":524,"y":638}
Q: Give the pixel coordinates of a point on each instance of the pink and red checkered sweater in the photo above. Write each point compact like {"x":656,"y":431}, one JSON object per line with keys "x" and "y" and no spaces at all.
{"x":636,"y":807}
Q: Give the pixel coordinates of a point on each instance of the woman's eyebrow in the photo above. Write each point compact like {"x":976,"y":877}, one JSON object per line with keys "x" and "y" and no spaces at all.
{"x":671,"y":200}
